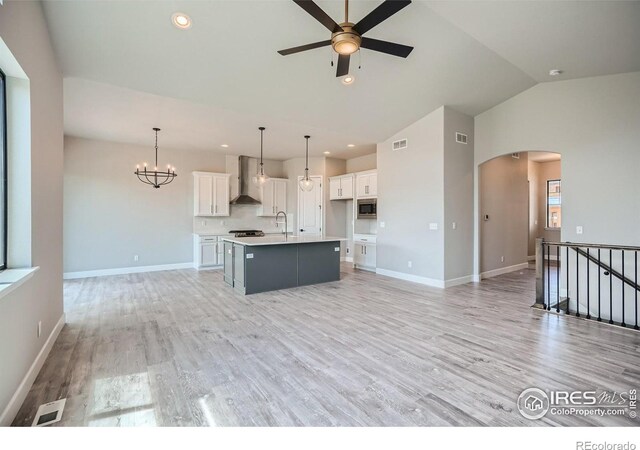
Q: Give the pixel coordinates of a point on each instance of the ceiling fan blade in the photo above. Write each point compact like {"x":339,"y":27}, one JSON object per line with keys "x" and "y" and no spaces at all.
{"x":321,"y":16}
{"x":303,"y":48}
{"x":343,"y":65}
{"x":380,"y":14}
{"x":386,"y":47}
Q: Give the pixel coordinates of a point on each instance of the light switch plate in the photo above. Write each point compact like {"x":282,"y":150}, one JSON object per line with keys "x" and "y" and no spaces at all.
{"x":382,"y":224}
{"x":336,"y":249}
{"x":433,"y":226}
{"x":579,"y":229}
{"x":249,"y":255}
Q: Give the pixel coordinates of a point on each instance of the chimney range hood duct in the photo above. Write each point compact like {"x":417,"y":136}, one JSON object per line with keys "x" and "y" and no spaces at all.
{"x":244,"y":184}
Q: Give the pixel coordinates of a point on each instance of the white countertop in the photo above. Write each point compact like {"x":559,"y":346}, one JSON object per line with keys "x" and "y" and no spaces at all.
{"x":280,"y":240}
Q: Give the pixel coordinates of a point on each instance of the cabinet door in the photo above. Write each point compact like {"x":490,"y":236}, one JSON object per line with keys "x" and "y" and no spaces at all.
{"x":373,"y":184}
{"x":203,"y":204}
{"x":220,"y":205}
{"x":238,"y":265}
{"x":358,"y":254}
{"x":334,"y":188}
{"x":268,"y":196}
{"x":280,"y":196}
{"x":370,"y":256}
{"x":209,"y":254}
{"x":346,"y":187}
{"x":362,"y":182}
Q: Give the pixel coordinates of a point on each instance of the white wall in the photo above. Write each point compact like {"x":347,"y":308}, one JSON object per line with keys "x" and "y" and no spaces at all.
{"x":458,"y":196}
{"x":504,"y":198}
{"x":24,"y":31}
{"x":410,"y":196}
{"x":593,"y":123}
{"x":110,"y":216}
{"x":361,"y":163}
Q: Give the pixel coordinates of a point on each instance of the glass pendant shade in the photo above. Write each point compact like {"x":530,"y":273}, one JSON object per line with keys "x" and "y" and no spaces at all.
{"x":260,"y":178}
{"x":306,"y":183}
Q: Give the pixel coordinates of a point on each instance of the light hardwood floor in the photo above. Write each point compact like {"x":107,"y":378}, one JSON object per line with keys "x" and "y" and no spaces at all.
{"x":181,"y":348}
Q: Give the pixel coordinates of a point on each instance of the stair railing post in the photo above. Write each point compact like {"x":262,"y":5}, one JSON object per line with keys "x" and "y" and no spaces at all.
{"x":540,"y":298}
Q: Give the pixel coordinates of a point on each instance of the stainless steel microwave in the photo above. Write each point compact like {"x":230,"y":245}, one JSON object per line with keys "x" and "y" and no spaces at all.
{"x":367,"y":208}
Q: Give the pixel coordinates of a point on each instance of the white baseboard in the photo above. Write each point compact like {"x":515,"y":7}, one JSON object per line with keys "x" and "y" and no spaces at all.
{"x":503,"y":270}
{"x":19,"y":396}
{"x":458,"y":281}
{"x":415,"y":278}
{"x":531,"y":258}
{"x":126,"y":270}
{"x":347,"y":259}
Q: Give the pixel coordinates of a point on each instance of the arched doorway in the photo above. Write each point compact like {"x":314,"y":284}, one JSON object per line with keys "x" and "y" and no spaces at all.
{"x":519,"y":200}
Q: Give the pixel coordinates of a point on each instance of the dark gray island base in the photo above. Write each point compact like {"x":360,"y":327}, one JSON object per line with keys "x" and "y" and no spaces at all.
{"x":261,"y":264}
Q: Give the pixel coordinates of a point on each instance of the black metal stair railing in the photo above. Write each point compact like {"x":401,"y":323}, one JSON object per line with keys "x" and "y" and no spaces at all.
{"x":578,"y":278}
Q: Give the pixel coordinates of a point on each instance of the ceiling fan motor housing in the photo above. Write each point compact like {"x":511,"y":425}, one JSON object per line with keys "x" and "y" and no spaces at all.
{"x":347,"y":41}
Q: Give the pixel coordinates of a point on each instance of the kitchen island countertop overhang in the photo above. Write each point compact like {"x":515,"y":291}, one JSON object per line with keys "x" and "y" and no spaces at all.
{"x":268,"y":263}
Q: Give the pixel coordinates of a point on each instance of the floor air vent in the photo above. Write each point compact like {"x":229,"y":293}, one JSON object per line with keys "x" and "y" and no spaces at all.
{"x":49,"y":413}
{"x":399,"y":145}
{"x":461,"y":138}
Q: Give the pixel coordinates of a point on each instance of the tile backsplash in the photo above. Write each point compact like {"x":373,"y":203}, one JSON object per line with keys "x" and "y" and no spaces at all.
{"x":242,"y":217}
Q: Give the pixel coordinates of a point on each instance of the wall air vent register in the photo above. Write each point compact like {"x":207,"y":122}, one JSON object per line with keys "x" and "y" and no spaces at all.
{"x":399,"y":145}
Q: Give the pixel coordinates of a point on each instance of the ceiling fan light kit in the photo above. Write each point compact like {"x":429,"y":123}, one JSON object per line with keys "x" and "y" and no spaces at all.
{"x":347,"y":37}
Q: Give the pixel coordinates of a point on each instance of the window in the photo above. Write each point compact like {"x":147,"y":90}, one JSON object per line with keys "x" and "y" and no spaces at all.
{"x":554,"y":204}
{"x":3,"y":172}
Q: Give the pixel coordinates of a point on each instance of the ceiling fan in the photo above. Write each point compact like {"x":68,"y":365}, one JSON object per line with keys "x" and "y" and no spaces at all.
{"x":346,"y":38}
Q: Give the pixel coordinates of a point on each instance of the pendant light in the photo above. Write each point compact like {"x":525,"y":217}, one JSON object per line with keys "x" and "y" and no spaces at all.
{"x":155,"y":177}
{"x":306,"y":183}
{"x":260,"y":178}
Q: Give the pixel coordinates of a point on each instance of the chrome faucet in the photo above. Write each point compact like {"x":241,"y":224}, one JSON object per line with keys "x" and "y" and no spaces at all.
{"x":286,"y":226}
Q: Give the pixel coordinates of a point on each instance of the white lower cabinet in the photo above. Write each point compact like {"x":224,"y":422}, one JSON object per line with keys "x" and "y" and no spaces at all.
{"x":364,"y":256}
{"x":208,"y":251}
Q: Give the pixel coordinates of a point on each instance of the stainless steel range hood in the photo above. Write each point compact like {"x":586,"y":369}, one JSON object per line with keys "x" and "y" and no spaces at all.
{"x":247,"y":192}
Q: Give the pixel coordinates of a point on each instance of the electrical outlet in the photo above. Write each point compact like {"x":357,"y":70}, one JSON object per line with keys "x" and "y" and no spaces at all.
{"x":579,"y":229}
{"x":382,"y":224}
{"x":348,"y":250}
{"x":502,"y":259}
{"x":39,"y":328}
{"x":222,"y":223}
{"x":409,"y":264}
{"x":135,"y":258}
{"x":454,"y":225}
{"x":204,"y":223}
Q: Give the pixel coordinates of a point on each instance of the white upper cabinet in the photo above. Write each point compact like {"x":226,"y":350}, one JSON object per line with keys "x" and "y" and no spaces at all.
{"x":341,"y":188}
{"x":211,"y":194}
{"x":367,"y":184}
{"x":273,"y":197}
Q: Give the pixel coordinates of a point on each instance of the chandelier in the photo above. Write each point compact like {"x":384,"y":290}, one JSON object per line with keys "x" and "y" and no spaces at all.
{"x":155,"y":177}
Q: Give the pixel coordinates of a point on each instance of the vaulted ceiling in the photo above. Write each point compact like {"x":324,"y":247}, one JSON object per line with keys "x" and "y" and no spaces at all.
{"x":128,"y":69}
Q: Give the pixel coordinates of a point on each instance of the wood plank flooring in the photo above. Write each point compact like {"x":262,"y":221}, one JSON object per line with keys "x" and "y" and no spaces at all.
{"x":181,"y":348}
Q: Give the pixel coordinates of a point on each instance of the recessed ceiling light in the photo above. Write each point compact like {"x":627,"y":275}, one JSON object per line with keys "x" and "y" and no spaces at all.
{"x":224,"y":145}
{"x":349,"y":79}
{"x":327,"y":153}
{"x":181,"y":20}
{"x":555,"y":72}
{"x":351,"y":145}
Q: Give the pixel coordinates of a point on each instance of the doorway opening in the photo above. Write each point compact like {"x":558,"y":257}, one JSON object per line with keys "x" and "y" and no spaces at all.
{"x":520,"y":200}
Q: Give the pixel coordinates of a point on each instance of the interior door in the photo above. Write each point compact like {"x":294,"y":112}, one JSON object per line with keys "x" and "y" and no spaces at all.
{"x":310,"y":208}
{"x":221,"y":193}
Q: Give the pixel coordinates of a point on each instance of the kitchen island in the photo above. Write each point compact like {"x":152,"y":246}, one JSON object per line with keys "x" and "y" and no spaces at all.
{"x":269,"y":263}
